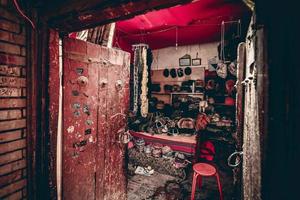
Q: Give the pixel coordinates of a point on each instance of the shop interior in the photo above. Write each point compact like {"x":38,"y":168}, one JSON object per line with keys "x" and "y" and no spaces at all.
{"x":183,"y":72}
{"x":139,"y":99}
{"x":142,"y":108}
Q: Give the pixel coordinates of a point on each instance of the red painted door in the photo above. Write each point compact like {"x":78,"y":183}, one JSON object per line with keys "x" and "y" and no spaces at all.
{"x":95,"y":89}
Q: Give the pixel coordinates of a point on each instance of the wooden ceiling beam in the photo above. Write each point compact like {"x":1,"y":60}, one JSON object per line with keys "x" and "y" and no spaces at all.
{"x":73,"y":16}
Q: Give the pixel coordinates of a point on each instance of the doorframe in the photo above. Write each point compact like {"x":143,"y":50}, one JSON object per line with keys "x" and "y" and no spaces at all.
{"x":36,"y":106}
{"x":41,"y":132}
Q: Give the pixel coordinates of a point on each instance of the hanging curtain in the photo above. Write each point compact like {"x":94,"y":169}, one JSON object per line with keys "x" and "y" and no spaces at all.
{"x":141,"y":73}
{"x":136,"y":79}
{"x":144,"y":85}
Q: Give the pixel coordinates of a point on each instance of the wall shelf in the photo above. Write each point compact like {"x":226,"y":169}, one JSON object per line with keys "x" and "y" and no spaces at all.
{"x":184,"y":93}
{"x":171,"y":94}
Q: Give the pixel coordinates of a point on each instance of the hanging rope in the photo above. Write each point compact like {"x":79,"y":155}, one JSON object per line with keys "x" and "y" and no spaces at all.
{"x":144,"y":84}
{"x":22,"y":14}
{"x":144,"y":33}
{"x":239,"y":28}
{"x":222,"y":41}
{"x":176,"y":38}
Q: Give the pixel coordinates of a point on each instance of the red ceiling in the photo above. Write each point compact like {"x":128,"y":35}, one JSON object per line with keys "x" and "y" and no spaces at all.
{"x":196,"y":22}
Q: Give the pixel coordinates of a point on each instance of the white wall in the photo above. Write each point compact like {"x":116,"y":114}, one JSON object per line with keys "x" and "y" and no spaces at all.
{"x":169,"y":57}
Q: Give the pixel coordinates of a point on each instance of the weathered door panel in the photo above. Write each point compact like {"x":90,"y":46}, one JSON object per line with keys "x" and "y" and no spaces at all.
{"x":239,"y":116}
{"x":115,"y":187}
{"x":95,"y":103}
{"x":103,"y":129}
{"x":251,"y":132}
{"x":79,"y":124}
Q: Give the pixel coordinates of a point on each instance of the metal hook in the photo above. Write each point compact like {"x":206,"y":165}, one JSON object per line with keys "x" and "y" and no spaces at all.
{"x":238,"y":153}
{"x":246,"y":81}
{"x":236,"y":84}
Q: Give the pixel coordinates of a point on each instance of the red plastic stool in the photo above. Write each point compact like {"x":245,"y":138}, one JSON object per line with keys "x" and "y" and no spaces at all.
{"x":204,"y":169}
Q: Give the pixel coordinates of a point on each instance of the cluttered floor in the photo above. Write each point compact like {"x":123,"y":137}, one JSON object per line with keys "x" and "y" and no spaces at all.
{"x":163,"y":182}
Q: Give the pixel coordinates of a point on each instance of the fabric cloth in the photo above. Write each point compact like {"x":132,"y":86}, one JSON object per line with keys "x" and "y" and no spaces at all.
{"x":141,"y":80}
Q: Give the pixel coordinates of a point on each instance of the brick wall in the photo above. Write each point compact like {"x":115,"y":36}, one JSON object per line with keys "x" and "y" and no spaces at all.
{"x":12,"y":103}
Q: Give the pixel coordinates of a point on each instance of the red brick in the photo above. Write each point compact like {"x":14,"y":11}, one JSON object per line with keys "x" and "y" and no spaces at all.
{"x":10,"y":48}
{"x":15,"y":196}
{"x":11,"y":146}
{"x":10,"y":157}
{"x":9,"y":136}
{"x":12,"y":84}
{"x":3,"y":2}
{"x":10,"y":178}
{"x":10,"y":71}
{"x":10,"y":92}
{"x":10,"y":114}
{"x":9,"y":15}
{"x":24,"y":92}
{"x":23,"y":112}
{"x":23,"y":71}
{"x":24,"y":192}
{"x":12,"y":37}
{"x":12,"y":187}
{"x":5,"y":169}
{"x":24,"y":132}
{"x":9,"y":26}
{"x":24,"y":172}
{"x":24,"y":153}
{"x":12,"y":103}
{"x":12,"y":59}
{"x":23,"y":51}
{"x":14,"y":124}
{"x":12,"y":81}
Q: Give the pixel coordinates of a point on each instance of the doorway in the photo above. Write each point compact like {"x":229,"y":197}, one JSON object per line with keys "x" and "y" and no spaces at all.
{"x":192,"y":78}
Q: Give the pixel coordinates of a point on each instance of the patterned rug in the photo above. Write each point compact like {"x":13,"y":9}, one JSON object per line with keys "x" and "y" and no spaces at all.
{"x":144,"y":187}
{"x":165,"y":187}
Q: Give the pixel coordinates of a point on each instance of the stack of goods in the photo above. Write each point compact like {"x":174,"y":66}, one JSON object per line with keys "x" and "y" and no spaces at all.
{"x":139,"y":144}
{"x":187,"y":86}
{"x":186,"y":126}
{"x":179,"y":72}
{"x":160,"y":158}
{"x":155,"y":87}
{"x":199,"y":86}
{"x":180,"y":161}
{"x":157,"y":123}
{"x":189,"y":105}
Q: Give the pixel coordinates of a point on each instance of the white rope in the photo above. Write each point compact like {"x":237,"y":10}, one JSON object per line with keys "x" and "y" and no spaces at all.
{"x":171,"y":28}
{"x":222,"y":41}
{"x":176,"y":38}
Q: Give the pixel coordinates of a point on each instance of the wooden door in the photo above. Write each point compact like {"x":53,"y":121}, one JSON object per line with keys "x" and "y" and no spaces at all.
{"x":95,"y":91}
{"x":117,"y":105}
{"x":253,"y":113}
{"x":240,"y":97}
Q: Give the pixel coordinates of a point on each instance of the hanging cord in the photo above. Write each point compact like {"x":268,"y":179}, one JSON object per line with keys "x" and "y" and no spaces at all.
{"x":22,"y":13}
{"x":145,"y":33}
{"x":223,"y":36}
{"x":222,"y":41}
{"x":176,"y":38}
{"x":239,"y":28}
{"x":117,"y":39}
